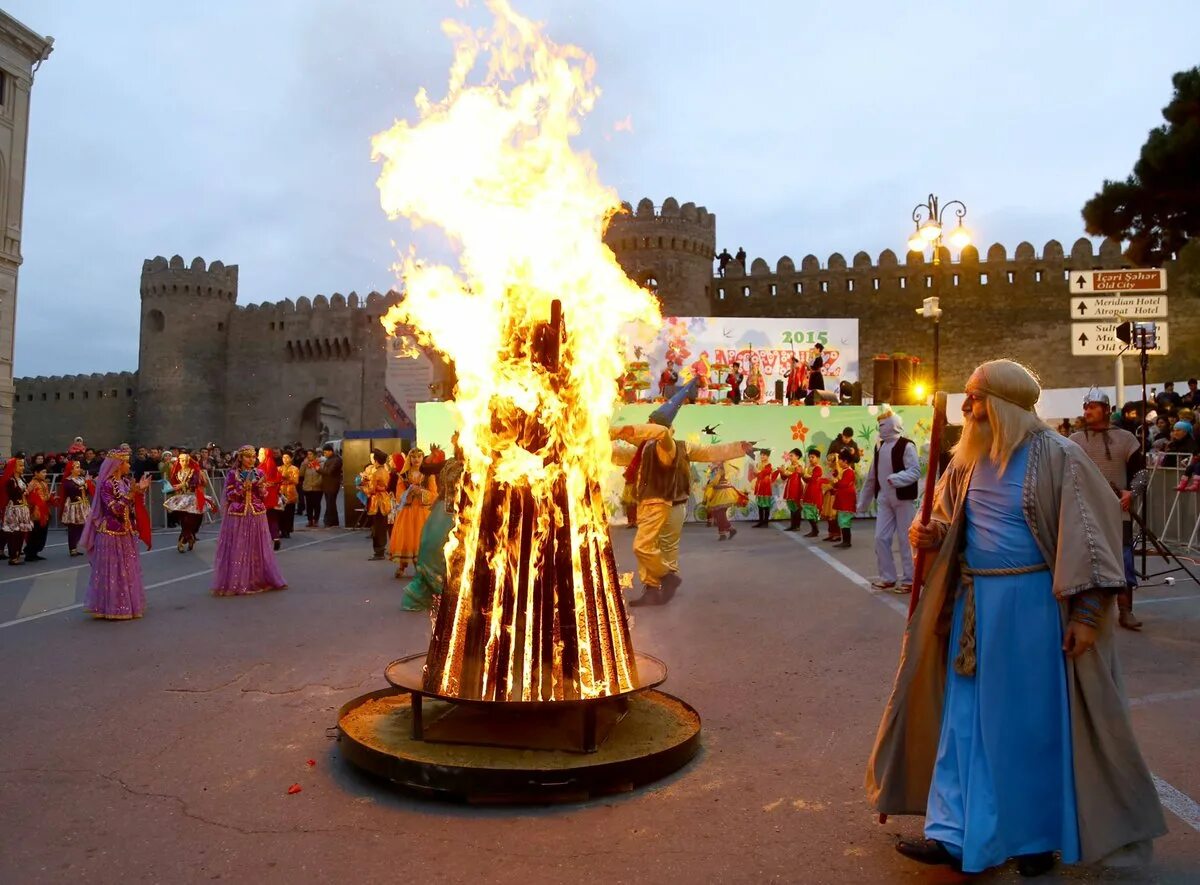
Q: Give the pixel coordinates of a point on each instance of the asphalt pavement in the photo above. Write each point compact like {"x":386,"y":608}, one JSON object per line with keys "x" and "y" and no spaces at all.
{"x":162,"y":750}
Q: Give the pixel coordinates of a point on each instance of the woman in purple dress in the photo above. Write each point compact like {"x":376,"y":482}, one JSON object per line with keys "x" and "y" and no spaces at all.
{"x":245,"y":559}
{"x":115,"y":591}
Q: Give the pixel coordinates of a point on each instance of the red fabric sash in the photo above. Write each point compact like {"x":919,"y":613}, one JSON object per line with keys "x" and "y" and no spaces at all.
{"x":142,"y":518}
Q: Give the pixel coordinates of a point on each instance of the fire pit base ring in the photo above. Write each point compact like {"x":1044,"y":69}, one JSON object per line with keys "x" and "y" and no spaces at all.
{"x":658,"y":735}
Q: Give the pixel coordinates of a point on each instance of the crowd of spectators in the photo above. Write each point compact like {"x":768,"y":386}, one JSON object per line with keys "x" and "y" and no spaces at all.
{"x":1167,"y":421}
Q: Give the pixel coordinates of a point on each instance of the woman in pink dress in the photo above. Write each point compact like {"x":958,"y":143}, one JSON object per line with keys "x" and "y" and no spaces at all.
{"x":245,"y":560}
{"x":115,"y":591}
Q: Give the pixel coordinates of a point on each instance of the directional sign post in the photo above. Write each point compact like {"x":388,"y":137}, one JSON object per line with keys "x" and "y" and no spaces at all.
{"x":1126,"y":305}
{"x":1146,"y":279}
{"x":1100,"y":339}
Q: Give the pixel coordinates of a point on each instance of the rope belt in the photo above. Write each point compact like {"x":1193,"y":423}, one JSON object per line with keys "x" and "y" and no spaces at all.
{"x":964,"y":662}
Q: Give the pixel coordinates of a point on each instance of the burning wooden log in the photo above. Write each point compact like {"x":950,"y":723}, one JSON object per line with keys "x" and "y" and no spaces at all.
{"x":532,"y":608}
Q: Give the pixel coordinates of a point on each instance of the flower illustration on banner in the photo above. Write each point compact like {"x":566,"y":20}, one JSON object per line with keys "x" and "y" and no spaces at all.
{"x":799,"y":431}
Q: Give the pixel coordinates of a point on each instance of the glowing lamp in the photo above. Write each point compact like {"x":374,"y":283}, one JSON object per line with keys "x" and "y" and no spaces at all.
{"x":960,"y":237}
{"x":930,"y":230}
{"x":916,"y":243}
{"x":919,"y":391}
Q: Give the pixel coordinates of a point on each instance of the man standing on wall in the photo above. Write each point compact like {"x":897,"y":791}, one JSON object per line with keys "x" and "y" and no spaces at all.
{"x":1119,"y":456}
{"x":331,"y":484}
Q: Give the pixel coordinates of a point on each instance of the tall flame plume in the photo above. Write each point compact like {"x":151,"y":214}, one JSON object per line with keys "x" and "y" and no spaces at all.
{"x":531,"y":322}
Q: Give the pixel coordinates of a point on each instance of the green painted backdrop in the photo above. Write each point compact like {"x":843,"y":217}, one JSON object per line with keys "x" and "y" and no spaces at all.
{"x":774,"y":427}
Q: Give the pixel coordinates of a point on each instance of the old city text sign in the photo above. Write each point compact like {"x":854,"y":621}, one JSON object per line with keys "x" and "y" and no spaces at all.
{"x":1100,"y":339}
{"x":1124,"y":305}
{"x":1153,"y":279}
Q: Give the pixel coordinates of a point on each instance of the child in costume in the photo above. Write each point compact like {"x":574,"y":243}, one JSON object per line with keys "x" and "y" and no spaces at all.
{"x":845,"y":494}
{"x":792,"y":475}
{"x":763,"y":476}
{"x":828,"y":508}
{"x":38,"y":495}
{"x":722,"y":496}
{"x":76,"y":495}
{"x":17,"y":520}
{"x":811,"y":511}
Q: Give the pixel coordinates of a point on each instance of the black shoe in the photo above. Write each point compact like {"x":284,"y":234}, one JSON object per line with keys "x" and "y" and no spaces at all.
{"x":842,"y":544}
{"x":670,"y":583}
{"x":928,"y":851}
{"x":33,"y":557}
{"x":1032,"y":865}
{"x":376,"y":558}
{"x":812,"y":533}
{"x":732,"y":532}
{"x":650,"y":596}
{"x":276,"y":543}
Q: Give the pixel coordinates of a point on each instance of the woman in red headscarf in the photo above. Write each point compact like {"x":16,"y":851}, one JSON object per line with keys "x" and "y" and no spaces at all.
{"x":272,"y":479}
{"x":187,"y":500}
{"x":18,"y":522}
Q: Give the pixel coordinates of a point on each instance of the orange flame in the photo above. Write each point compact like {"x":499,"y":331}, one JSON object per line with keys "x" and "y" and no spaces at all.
{"x":492,"y":166}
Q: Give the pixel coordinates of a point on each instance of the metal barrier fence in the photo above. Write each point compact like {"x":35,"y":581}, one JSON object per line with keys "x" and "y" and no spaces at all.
{"x":155,"y":497}
{"x":1171,"y":514}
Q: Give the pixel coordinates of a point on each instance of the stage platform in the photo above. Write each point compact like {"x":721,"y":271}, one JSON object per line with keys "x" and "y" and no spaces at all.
{"x":775,"y":427}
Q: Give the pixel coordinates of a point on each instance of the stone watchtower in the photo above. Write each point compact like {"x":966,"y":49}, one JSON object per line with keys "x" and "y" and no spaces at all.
{"x":669,"y":251}
{"x":183,"y":350}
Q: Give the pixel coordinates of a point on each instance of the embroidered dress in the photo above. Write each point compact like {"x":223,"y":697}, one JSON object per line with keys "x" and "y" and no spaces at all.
{"x":245,"y":560}
{"x":1003,"y":783}
{"x":115,"y":591}
{"x":76,"y":504}
{"x":17,"y":518}
{"x":415,"y":494}
{"x":187,"y":503}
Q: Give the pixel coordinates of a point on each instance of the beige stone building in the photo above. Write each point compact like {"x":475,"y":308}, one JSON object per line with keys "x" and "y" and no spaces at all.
{"x":21,"y":53}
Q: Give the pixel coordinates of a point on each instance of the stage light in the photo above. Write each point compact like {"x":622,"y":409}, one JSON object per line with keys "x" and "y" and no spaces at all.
{"x":919,"y":392}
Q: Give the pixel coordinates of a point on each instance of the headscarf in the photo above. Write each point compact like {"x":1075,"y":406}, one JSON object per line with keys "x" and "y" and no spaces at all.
{"x":272,"y":477}
{"x":1184,"y":426}
{"x":114,"y":460}
{"x":10,"y":471}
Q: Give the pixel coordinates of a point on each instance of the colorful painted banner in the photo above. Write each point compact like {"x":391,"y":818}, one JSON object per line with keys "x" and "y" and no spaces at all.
{"x":710,"y":346}
{"x":777,"y":428}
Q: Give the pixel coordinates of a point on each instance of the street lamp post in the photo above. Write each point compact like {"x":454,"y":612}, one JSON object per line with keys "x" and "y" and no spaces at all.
{"x":929,"y":220}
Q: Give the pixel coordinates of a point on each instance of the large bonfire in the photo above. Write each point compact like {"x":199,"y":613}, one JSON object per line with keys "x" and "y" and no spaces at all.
{"x":530,"y":320}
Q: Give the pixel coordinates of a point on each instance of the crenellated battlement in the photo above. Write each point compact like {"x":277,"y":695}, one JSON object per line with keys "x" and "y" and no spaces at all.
{"x":1083,"y":256}
{"x":689,"y":228}
{"x":161,"y":277}
{"x":336,"y":303}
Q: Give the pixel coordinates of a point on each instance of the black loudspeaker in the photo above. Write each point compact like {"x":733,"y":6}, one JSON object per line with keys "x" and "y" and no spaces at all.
{"x":881,"y":374}
{"x":779,"y":390}
{"x":903,"y":379}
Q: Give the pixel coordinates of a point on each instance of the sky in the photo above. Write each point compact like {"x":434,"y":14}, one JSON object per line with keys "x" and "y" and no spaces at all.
{"x":241,"y":131}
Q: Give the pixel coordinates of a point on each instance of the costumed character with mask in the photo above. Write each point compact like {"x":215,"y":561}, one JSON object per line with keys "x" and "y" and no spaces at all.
{"x":115,"y":591}
{"x":892,"y":484}
{"x":664,"y":478}
{"x":1008,"y":726}
{"x":1118,"y":455}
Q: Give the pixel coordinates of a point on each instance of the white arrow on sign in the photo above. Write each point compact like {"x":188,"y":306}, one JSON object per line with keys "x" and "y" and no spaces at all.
{"x":1125,"y":305}
{"x":1142,"y":279}
{"x":1100,"y":339}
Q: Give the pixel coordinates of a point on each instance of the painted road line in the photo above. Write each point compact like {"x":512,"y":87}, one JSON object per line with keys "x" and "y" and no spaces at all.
{"x":175,"y":580}
{"x":30,"y":575}
{"x":1183,"y":806}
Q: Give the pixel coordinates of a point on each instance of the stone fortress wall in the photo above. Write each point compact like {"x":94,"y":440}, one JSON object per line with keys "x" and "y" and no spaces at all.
{"x":211,"y":370}
{"x":993,"y":305}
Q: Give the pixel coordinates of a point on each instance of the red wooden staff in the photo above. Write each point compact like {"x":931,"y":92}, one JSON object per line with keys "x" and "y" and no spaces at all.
{"x":935,"y":450}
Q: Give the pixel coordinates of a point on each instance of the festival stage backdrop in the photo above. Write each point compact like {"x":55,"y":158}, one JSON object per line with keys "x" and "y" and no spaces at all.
{"x":697,"y":344}
{"x":778,"y":428}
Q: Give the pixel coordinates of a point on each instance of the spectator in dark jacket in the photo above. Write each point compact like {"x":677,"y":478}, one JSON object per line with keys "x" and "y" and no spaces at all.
{"x":331,"y":484}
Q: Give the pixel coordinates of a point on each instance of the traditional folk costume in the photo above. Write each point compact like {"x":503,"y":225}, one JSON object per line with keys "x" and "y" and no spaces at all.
{"x":722,"y":496}
{"x":289,"y":496}
{"x":76,"y":494}
{"x":628,"y":497}
{"x":272,"y":481}
{"x":18,"y":522}
{"x":792,"y":474}
{"x":426,"y":586}
{"x":1009,"y":747}
{"x":892,"y":483}
{"x":416,"y":492}
{"x":813,"y":492}
{"x":763,"y":475}
{"x":245,"y":561}
{"x":845,"y":497}
{"x":376,"y":481}
{"x":187,"y":501}
{"x":796,"y":377}
{"x":755,"y":385}
{"x":115,"y":591}
{"x":828,"y":508}
{"x":1118,"y":455}
{"x":38,"y":496}
{"x":663,"y":486}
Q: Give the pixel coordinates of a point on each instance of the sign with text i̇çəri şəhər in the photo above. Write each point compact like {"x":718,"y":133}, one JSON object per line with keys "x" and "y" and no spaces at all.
{"x":1100,"y":339}
{"x":1141,"y":279}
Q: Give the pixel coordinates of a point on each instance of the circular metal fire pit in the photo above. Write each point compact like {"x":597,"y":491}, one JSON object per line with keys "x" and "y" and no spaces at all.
{"x":549,"y":751}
